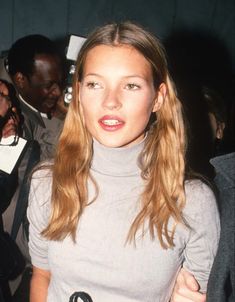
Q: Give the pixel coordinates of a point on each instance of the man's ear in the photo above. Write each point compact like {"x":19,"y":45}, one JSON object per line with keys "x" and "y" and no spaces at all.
{"x":160,"y":97}
{"x":220,"y":130}
{"x":19,"y":80}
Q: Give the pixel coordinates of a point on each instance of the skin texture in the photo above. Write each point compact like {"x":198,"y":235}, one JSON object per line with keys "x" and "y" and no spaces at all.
{"x":43,"y":88}
{"x":39,"y":285}
{"x":120,"y":93}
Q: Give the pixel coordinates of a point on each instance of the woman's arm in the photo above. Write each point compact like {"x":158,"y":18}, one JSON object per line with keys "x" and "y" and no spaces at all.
{"x":202,"y":216}
{"x":39,"y":285}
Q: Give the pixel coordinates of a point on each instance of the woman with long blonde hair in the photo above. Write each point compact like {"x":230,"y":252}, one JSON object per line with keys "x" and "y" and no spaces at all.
{"x":113,"y":215}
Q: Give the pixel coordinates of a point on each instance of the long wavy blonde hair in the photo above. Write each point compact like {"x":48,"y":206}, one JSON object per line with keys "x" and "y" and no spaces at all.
{"x":163,"y":158}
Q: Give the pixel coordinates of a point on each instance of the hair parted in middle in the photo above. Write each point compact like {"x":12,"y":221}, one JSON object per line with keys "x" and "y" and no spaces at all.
{"x":163,"y":157}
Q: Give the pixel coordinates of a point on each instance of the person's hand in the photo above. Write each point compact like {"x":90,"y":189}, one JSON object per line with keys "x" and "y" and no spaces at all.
{"x":186,"y":289}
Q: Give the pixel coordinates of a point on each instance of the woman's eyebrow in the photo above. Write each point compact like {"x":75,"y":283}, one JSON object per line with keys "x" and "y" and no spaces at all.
{"x":127,"y":76}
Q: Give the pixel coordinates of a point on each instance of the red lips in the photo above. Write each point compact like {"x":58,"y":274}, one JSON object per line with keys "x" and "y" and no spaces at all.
{"x":111,"y":123}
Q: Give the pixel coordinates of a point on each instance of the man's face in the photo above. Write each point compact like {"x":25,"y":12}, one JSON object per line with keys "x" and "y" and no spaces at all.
{"x":43,"y":88}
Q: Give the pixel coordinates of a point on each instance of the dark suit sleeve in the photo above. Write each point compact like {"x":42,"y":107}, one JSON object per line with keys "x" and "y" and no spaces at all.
{"x":8,"y":185}
{"x":221,"y":285}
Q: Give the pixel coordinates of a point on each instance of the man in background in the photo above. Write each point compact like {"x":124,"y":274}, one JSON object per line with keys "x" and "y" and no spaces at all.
{"x":36,"y":68}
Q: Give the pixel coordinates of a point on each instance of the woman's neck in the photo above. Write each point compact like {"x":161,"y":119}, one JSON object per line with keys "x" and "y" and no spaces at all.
{"x":121,"y":161}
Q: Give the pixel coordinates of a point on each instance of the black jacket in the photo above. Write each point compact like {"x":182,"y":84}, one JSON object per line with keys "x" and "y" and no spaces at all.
{"x":221,"y":285}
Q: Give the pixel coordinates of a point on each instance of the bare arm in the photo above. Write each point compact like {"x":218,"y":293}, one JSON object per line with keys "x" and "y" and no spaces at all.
{"x":39,"y":285}
{"x":187,"y":289}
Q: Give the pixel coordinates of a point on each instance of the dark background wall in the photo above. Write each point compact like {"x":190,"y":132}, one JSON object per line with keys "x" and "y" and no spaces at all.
{"x":199,"y":36}
{"x":59,"y":18}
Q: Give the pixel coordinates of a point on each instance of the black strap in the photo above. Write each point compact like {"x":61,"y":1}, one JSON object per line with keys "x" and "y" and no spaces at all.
{"x":22,"y":201}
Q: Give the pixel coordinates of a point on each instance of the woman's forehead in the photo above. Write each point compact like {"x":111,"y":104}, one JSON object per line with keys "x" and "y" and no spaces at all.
{"x":119,"y":58}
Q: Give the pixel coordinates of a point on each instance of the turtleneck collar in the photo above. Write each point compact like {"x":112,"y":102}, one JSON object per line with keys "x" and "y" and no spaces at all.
{"x":121,"y":161}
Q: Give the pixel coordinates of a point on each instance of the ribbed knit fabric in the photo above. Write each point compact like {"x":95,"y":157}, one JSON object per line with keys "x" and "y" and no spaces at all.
{"x":100,"y":263}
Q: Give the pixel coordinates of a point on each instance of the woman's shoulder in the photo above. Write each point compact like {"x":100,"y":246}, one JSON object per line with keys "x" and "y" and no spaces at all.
{"x":200,"y":198}
{"x":41,"y":182}
{"x":39,"y":203}
{"x":198,"y":186}
{"x":42,"y":171}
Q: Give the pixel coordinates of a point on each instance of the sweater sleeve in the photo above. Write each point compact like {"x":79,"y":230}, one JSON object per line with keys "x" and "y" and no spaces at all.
{"x":202,"y":217}
{"x":38,"y":216}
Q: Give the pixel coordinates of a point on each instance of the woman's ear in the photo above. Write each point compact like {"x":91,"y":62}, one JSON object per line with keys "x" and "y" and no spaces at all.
{"x":160,"y":97}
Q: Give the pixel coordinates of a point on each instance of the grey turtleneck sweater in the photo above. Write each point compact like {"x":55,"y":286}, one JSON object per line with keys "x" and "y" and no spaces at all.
{"x":100,"y":263}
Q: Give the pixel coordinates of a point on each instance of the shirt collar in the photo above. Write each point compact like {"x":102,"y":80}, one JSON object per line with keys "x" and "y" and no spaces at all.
{"x":44,"y":115}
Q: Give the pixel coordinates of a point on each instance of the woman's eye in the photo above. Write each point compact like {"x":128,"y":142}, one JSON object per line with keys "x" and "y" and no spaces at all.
{"x":93,"y":85}
{"x":132,"y":86}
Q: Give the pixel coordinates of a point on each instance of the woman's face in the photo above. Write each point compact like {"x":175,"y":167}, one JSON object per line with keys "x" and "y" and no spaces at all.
{"x":5,"y":102}
{"x":117,"y":95}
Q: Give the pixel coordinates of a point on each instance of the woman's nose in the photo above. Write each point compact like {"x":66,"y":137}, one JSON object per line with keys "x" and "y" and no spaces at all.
{"x":111,"y":100}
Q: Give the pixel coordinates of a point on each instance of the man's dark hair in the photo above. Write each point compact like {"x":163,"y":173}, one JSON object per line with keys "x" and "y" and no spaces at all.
{"x":22,"y":53}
